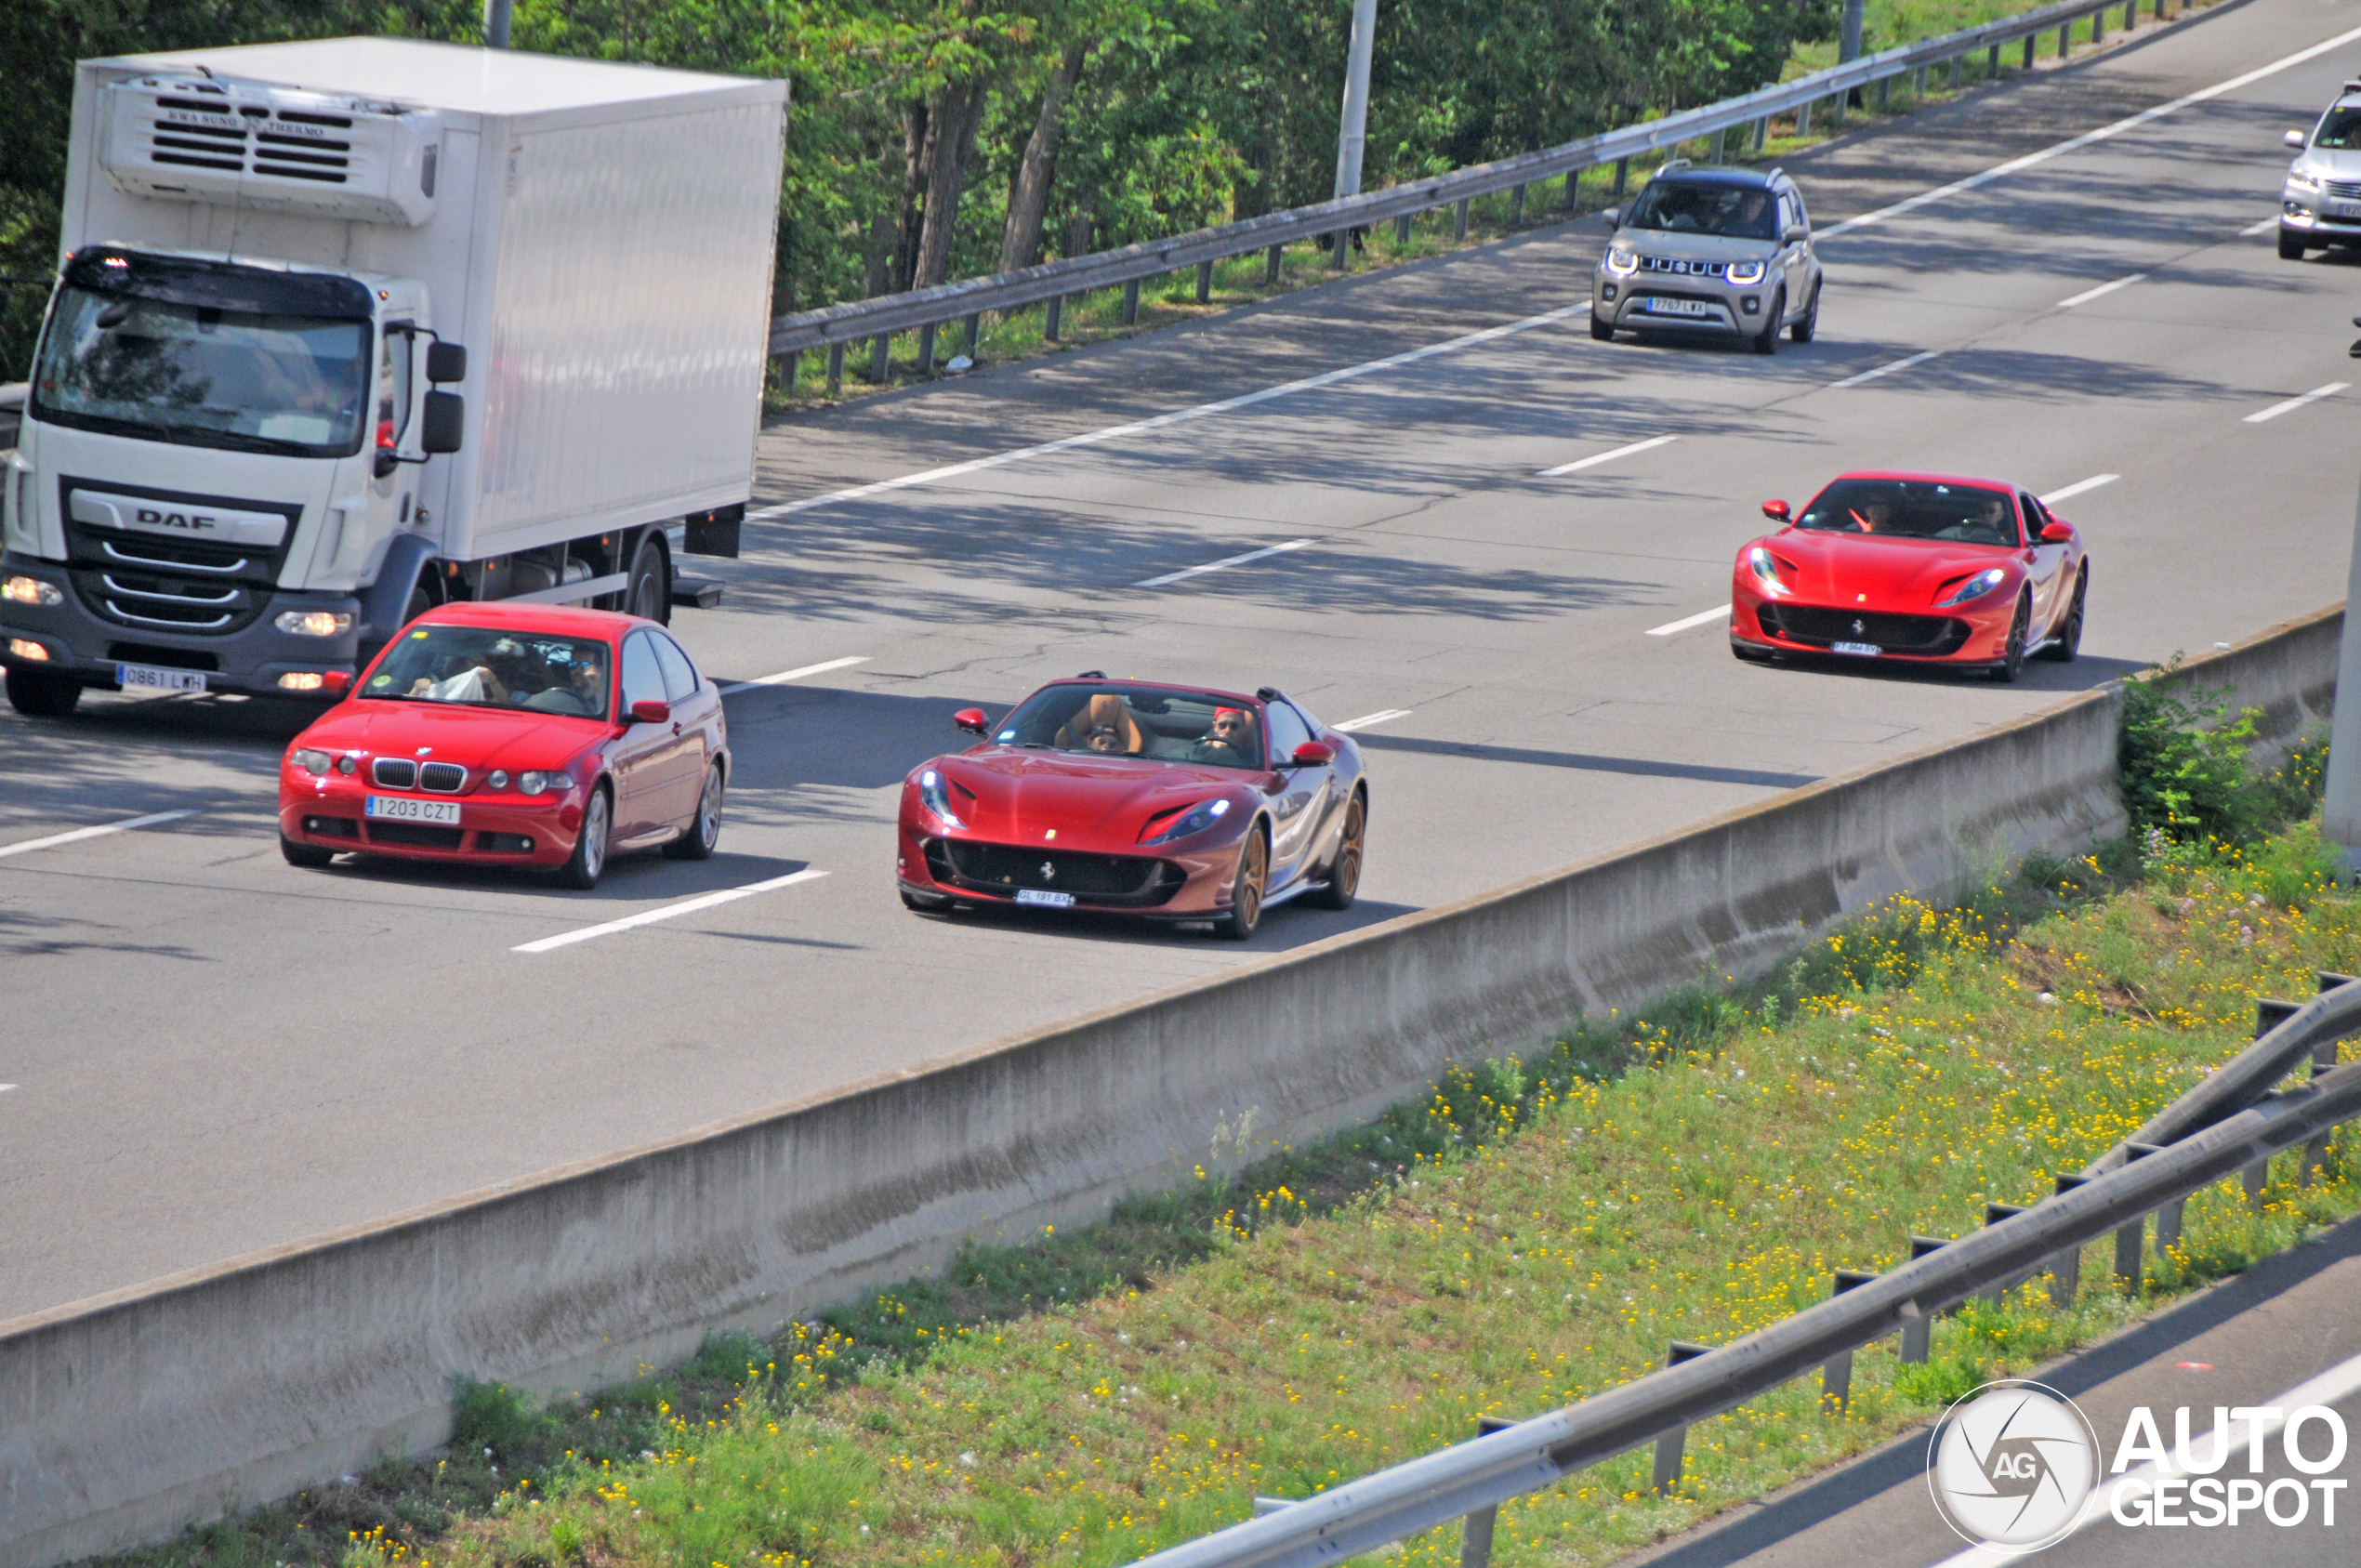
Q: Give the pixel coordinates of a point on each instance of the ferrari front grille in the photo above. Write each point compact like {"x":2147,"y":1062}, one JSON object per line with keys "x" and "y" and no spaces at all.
{"x":1006,"y":869}
{"x":1932,"y":635}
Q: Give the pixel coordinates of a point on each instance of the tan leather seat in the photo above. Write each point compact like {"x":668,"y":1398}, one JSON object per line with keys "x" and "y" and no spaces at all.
{"x":1104,"y":711}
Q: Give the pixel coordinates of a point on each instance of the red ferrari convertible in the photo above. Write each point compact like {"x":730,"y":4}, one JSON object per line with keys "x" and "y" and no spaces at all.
{"x":516,"y":734}
{"x":1917,"y":568}
{"x":1126,"y":797}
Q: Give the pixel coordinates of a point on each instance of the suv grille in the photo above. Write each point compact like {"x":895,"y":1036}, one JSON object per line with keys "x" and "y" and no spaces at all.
{"x":1896,"y":634}
{"x":394,"y":772}
{"x":1004,"y":868}
{"x":1683,"y":268}
{"x":2344,"y":189}
{"x":442,"y":778}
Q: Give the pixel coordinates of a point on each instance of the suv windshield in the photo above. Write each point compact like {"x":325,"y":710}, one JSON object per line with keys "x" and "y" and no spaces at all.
{"x":1914,"y":509}
{"x":1137,"y":722}
{"x":484,"y":667}
{"x":2340,"y":128}
{"x":1697,"y":206}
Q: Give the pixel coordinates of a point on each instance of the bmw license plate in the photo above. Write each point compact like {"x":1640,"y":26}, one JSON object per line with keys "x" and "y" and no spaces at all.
{"x":1048,"y":901}
{"x":1679,"y":308}
{"x":1864,"y":650}
{"x":393,"y":808}
{"x":146,"y":678}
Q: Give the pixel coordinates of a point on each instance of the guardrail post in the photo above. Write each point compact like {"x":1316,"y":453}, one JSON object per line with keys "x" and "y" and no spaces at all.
{"x":1459,"y":218}
{"x":1956,"y":60}
{"x":1804,"y":119}
{"x":1670,"y":1445}
{"x":1516,"y":203}
{"x":1836,"y":1376}
{"x":1053,"y":317}
{"x":1714,"y":155}
{"x":1574,"y":191}
{"x":2066,"y":1268}
{"x":1270,"y":265}
{"x":1837,"y":107}
{"x":1885,"y":92}
{"x":788,"y":366}
{"x":2065,"y":39}
{"x":2031,"y":42}
{"x":1992,"y":64}
{"x":1205,"y":282}
{"x":1761,"y":133}
{"x":1992,"y":1215}
{"x":974,"y":327}
{"x":925,"y":350}
{"x":2315,"y":1153}
{"x":1622,"y":174}
{"x":2269,"y":1013}
{"x":2129,"y":1239}
{"x":2099,"y":25}
{"x":2169,"y":1218}
{"x":1919,"y":83}
{"x":1475,"y":1535}
{"x":1918,"y":1333}
{"x":880,"y":356}
{"x":1342,"y":252}
{"x":836,"y":369}
{"x":1131,"y":303}
{"x":1402,"y":230}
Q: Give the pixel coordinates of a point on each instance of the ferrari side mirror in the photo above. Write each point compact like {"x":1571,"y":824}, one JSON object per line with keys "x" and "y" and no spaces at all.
{"x":1313,"y":754}
{"x":971,"y":720}
{"x":2057,"y":533}
{"x":1775,"y":511}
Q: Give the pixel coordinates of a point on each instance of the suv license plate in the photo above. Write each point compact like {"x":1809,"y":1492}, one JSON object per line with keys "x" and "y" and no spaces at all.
{"x":2344,"y":210}
{"x":1049,"y":901}
{"x":389,"y":807}
{"x":1679,"y":308}
{"x":1864,"y":650}
{"x":146,"y":678}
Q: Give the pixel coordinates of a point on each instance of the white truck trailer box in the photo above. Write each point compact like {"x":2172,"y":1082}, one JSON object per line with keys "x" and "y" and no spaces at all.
{"x":271,"y":254}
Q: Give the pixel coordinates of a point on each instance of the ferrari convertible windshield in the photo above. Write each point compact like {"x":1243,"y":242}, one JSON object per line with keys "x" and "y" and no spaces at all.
{"x":1914,"y":509}
{"x":1142,"y":722}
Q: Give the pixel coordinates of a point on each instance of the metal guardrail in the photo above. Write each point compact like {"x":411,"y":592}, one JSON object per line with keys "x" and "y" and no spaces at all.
{"x":2227,"y":1124}
{"x":1052,"y":282}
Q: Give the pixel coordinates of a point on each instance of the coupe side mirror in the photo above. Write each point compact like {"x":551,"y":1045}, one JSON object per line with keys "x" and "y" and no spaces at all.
{"x":440,"y":422}
{"x":971,"y":720}
{"x":1313,"y":754}
{"x":647,"y":710}
{"x":2293,"y":139}
{"x":446,"y":361}
{"x":2057,"y":533}
{"x":1775,"y":511}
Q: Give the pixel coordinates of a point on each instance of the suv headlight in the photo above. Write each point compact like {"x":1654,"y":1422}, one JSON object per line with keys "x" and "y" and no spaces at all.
{"x":1622,"y":261}
{"x":1744,"y":273}
{"x":2302,"y":180}
{"x":935,"y":796}
{"x":1974,"y":587}
{"x":1196,"y":820}
{"x":1765,"y":568}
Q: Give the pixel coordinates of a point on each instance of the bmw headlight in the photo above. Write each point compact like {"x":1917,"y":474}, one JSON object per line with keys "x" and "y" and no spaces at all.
{"x":935,"y":796}
{"x":1195,"y":820}
{"x":1745,"y":273}
{"x":535,"y":783}
{"x":1974,"y":587}
{"x":1621,"y":262}
{"x":1765,"y":568}
{"x":315,"y":763}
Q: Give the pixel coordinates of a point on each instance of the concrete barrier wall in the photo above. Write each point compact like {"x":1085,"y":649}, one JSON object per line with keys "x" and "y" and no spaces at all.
{"x":124,"y":1417}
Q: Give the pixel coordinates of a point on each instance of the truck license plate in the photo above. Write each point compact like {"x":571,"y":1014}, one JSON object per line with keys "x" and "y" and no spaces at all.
{"x":1865,"y":649}
{"x":1050,"y":901}
{"x":389,"y":807}
{"x":146,"y":678}
{"x":1679,"y":308}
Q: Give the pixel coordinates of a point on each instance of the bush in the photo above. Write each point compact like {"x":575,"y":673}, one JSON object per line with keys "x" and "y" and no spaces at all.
{"x":2183,"y":756}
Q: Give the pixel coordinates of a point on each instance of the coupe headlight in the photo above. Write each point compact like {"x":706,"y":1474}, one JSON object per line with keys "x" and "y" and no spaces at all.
{"x":315,"y":763}
{"x":313,"y":623}
{"x":1765,"y":568}
{"x":1195,"y":820}
{"x":1745,"y":273}
{"x":935,"y":796}
{"x":1621,"y":262}
{"x":1974,"y":587}
{"x":535,"y":783}
{"x":31,"y":590}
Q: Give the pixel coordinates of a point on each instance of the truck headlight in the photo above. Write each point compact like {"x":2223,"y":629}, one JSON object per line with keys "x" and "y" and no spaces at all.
{"x":1974,"y":587}
{"x":31,"y":590}
{"x":313,"y":623}
{"x":1745,"y":273}
{"x":1622,"y":261}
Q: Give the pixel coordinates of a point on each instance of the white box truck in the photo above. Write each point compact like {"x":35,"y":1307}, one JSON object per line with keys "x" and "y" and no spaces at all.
{"x":349,"y":328}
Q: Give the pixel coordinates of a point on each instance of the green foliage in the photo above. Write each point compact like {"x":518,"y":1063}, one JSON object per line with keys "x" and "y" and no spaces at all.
{"x":2185,"y":776}
{"x":1936,"y":1384}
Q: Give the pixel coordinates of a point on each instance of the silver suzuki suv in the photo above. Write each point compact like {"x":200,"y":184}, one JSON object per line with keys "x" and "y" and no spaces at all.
{"x":2320,"y":204}
{"x":1716,"y":252}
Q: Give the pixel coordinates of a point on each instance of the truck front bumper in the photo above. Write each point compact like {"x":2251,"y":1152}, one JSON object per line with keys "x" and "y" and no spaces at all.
{"x":74,"y":642}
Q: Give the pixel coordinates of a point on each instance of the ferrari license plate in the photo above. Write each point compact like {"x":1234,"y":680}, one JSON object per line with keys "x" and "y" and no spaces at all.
{"x":1679,"y":308}
{"x":1864,"y":650}
{"x":393,"y":808}
{"x":1048,"y":901}
{"x":146,"y":678}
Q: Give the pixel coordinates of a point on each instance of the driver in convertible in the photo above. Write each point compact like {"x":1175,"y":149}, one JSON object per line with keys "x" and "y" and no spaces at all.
{"x":1228,"y":742}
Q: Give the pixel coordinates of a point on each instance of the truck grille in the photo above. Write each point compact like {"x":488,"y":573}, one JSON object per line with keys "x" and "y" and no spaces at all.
{"x":1003,"y":869}
{"x":394,"y":772}
{"x":1932,"y":635}
{"x":160,"y":583}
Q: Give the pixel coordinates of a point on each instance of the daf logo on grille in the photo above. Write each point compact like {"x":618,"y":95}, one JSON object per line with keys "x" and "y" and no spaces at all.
{"x":1049,"y":872}
{"x":149,"y":517}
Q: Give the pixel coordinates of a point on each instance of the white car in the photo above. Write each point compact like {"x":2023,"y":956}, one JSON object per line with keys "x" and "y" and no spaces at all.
{"x":2320,"y":204}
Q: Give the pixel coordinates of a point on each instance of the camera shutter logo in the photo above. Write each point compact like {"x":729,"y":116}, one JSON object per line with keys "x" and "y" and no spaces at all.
{"x":2011,"y":1466}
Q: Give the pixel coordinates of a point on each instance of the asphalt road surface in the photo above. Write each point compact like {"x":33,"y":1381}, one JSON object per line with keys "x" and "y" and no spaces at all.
{"x":208,"y":1052}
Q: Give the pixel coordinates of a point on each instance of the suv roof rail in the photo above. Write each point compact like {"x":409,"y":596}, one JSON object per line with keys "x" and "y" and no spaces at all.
{"x":2352,"y":85}
{"x":1671,"y":166}
{"x":1772,"y":177}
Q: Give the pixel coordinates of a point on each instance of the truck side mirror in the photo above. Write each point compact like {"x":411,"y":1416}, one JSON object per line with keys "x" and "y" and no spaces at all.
{"x":446,"y":361}
{"x":441,"y":421}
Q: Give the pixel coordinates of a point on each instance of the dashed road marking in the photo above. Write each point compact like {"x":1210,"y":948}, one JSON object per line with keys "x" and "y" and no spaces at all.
{"x":1884,"y":370}
{"x":1672,"y":627}
{"x":2079,"y":487}
{"x":1593,"y":461}
{"x":1383,"y":716}
{"x":81,"y":833}
{"x":2264,"y":227}
{"x":1187,"y":571}
{"x":2088,"y":295}
{"x":2332,"y":390}
{"x":670,"y":911}
{"x":787,"y":674}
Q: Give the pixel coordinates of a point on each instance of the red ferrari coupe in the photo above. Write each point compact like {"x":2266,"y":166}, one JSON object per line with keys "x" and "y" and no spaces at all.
{"x":517,"y":735}
{"x":1919,"y":568}
{"x":1126,"y":797}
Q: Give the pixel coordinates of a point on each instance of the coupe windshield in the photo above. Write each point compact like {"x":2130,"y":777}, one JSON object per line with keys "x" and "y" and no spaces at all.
{"x":2339,"y":129}
{"x":169,"y":349}
{"x":1137,"y":722}
{"x":1696,"y":206}
{"x":1914,"y":509}
{"x":483,"y":666}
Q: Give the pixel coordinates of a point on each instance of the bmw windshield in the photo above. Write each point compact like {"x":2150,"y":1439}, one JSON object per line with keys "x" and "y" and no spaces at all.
{"x":486,"y":667}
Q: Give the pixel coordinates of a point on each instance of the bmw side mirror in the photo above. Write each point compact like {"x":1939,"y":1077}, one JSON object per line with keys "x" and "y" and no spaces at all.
{"x":446,"y":361}
{"x":440,"y":422}
{"x":1775,"y":511}
{"x":1313,"y":754}
{"x":647,"y":710}
{"x":2294,"y":139}
{"x":2057,"y":533}
{"x":971,"y":720}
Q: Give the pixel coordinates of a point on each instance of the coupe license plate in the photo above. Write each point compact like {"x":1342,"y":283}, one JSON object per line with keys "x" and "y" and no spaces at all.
{"x":393,"y":808}
{"x":1864,"y":650}
{"x":146,"y":678}
{"x":1048,"y":901}
{"x":1679,"y":308}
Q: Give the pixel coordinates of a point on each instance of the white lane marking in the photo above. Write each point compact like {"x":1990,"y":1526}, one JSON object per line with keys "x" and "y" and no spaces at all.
{"x":1177,"y":416}
{"x":2264,"y":227}
{"x":2105,"y":133}
{"x":2329,"y":1389}
{"x":1700,"y":618}
{"x":650,"y":916}
{"x":2088,"y":295}
{"x":1226,"y":560}
{"x":6,"y":1087}
{"x":2079,"y":487}
{"x":787,"y":674}
{"x":1593,"y":462}
{"x":81,"y":833}
{"x":1884,"y":370}
{"x":2332,"y":390}
{"x":1383,"y":716}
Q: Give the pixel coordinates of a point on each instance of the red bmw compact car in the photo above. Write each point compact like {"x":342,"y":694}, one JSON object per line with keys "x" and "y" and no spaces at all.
{"x":1129,"y":797}
{"x":1916,"y":568}
{"x":517,"y":735}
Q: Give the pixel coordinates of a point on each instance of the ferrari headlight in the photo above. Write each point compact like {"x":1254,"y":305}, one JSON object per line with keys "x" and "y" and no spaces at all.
{"x":1974,"y":587}
{"x":1765,"y":568}
{"x":935,"y":796}
{"x":1745,"y":273}
{"x":1195,"y":820}
{"x":533,"y":782}
{"x":1621,"y":262}
{"x":315,"y":763}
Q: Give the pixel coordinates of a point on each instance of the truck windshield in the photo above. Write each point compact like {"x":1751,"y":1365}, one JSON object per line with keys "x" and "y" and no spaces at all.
{"x":201,"y":375}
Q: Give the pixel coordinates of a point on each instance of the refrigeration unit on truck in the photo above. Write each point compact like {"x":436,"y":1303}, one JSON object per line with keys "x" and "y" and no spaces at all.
{"x":350,"y":328}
